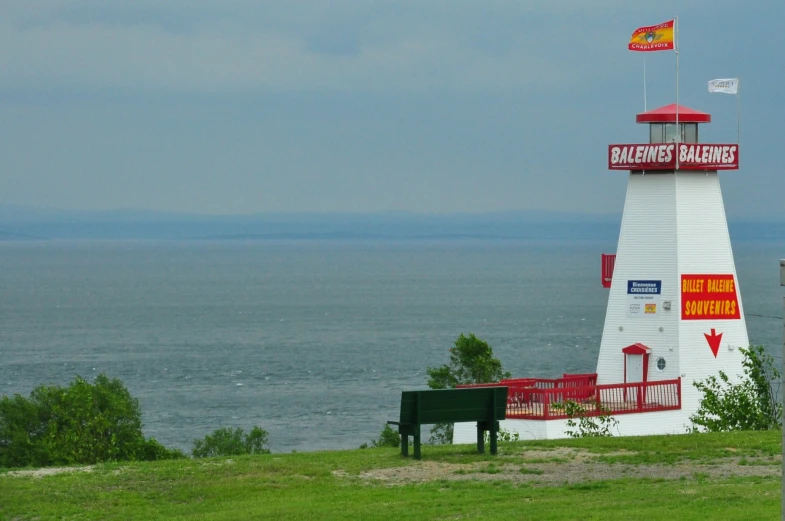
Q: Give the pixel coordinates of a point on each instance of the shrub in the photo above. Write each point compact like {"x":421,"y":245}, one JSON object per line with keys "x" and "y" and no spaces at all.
{"x":750,"y":404}
{"x":389,"y":437}
{"x":82,"y":423}
{"x":503,"y":435}
{"x":471,"y":362}
{"x":231,"y":442}
{"x":581,"y":425}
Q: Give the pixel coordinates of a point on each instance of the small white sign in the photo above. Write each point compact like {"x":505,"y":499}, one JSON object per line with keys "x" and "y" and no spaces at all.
{"x":643,"y":298}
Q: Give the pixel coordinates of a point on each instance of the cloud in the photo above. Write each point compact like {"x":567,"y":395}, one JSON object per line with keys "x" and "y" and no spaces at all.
{"x":301,"y":46}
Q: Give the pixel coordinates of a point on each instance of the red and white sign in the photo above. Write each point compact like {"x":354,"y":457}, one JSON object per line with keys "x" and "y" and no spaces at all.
{"x":663,"y":156}
{"x":709,"y":297}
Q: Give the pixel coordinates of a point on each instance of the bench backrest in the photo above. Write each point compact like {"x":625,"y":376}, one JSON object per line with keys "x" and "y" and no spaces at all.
{"x":453,"y":405}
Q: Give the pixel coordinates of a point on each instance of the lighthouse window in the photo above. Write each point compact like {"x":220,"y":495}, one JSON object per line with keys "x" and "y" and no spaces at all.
{"x":689,"y":133}
{"x":666,"y":133}
{"x":670,"y":133}
{"x":655,"y":133}
{"x":660,"y":364}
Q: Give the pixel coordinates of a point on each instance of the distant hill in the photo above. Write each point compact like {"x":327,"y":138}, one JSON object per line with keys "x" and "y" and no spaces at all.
{"x":11,"y":213}
{"x":23,"y":223}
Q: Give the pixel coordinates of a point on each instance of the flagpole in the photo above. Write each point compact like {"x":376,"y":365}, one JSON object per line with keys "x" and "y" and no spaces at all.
{"x":676,"y":48}
{"x":738,"y":111}
{"x":644,"y":83}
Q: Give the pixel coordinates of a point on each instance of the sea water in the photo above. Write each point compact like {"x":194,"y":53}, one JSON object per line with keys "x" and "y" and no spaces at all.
{"x":312,"y":341}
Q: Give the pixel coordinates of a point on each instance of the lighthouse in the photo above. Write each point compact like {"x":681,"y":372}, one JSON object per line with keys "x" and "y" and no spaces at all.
{"x":674,"y":314}
{"x":674,"y":308}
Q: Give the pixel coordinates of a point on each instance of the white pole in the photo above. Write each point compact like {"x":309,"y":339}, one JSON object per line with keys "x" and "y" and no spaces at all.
{"x":644,"y":83}
{"x":676,"y":48}
{"x":782,"y":283}
{"x":738,"y":111}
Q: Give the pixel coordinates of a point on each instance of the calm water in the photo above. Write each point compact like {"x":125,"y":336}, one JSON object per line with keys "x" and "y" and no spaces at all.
{"x":311,"y":341}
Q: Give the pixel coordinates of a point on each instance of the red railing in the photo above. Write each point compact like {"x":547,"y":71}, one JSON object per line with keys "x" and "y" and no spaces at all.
{"x":608,"y":263}
{"x":543,"y":399}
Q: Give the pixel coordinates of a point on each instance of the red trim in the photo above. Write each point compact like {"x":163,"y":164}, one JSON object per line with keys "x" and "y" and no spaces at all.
{"x":608,"y":263}
{"x":540,"y":399}
{"x":667,"y":114}
{"x":636,"y":349}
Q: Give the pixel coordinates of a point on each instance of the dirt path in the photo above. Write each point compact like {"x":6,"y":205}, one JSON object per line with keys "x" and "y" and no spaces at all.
{"x":560,"y":466}
{"x":48,"y":471}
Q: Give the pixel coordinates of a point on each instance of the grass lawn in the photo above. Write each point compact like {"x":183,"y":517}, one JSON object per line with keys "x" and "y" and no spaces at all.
{"x":696,"y":476}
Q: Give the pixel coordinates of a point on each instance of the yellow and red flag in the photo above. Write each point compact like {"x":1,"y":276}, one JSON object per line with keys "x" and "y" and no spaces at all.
{"x":653,"y":38}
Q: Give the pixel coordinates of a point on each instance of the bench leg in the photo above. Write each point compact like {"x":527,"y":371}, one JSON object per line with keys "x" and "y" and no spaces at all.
{"x":494,"y":435}
{"x":480,"y":437}
{"x":417,"y":454}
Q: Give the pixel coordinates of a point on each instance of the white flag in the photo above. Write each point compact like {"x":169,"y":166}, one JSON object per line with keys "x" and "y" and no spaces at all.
{"x":725,"y":86}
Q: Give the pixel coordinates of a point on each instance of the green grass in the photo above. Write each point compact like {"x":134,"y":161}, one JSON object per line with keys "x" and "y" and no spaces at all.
{"x":334,"y":485}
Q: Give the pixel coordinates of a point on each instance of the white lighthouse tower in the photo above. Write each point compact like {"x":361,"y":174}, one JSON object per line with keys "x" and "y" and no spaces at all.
{"x":674,"y":309}
{"x":674,"y":313}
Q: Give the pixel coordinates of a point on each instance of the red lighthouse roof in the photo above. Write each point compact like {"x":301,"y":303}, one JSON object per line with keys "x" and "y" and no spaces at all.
{"x":667,"y":114}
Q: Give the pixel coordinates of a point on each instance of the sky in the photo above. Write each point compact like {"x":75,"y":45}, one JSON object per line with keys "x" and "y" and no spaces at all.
{"x":426,"y":106}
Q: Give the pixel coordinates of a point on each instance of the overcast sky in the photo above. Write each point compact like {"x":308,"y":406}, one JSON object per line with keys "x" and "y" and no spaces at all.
{"x":244,"y":106}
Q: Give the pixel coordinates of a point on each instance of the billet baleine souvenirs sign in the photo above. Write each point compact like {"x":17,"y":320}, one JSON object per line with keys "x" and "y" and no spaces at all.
{"x":643,"y":298}
{"x":662,"y":156}
{"x":709,"y":297}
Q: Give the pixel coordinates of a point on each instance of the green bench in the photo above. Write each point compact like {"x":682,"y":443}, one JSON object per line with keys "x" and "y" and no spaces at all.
{"x":485,"y":405}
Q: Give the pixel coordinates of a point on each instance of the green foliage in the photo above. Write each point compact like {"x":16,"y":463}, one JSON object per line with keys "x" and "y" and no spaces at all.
{"x":389,"y":437}
{"x":750,"y":404}
{"x":471,"y":362}
{"x":502,"y":435}
{"x":81,"y":423}
{"x":441,"y":434}
{"x":581,"y":425}
{"x":231,"y":442}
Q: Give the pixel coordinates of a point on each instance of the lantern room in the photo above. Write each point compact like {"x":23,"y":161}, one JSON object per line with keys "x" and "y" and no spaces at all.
{"x":662,"y":124}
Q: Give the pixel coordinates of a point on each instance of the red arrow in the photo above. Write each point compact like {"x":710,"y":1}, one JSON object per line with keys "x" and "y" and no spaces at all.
{"x":714,"y":341}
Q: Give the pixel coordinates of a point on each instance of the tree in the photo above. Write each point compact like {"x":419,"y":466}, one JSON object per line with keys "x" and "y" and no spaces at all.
{"x":82,"y":423}
{"x":750,"y":404}
{"x":471,"y":362}
{"x":231,"y":442}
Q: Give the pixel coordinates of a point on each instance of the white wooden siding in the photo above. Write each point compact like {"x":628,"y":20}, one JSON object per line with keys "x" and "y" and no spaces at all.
{"x":646,"y":251}
{"x":673,"y":224}
{"x":704,"y":248}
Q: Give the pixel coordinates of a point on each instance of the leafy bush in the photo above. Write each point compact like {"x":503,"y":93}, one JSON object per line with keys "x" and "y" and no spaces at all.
{"x":82,"y":423}
{"x":503,"y":435}
{"x":581,"y":425}
{"x":750,"y":404}
{"x":231,"y":442}
{"x":389,"y":437}
{"x":471,"y":362}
